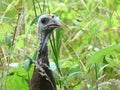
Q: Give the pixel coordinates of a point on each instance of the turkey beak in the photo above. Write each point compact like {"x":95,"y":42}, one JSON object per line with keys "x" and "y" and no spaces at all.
{"x":56,"y":23}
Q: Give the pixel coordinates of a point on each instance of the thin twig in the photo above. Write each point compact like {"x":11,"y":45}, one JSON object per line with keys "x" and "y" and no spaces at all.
{"x":15,"y":31}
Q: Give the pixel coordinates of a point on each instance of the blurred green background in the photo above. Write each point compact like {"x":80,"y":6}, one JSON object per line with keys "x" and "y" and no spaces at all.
{"x":87,"y":46}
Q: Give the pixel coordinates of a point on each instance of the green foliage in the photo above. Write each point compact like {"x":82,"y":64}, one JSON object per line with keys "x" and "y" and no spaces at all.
{"x":17,"y":79}
{"x":99,"y":56}
{"x":84,"y":53}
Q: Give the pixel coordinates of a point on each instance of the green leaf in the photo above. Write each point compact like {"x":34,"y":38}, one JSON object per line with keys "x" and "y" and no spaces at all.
{"x":72,"y":75}
{"x":29,"y":61}
{"x":99,"y":56}
{"x":34,"y":20}
{"x":27,"y":65}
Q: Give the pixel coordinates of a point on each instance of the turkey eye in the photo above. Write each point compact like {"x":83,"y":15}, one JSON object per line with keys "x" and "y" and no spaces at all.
{"x":44,"y":20}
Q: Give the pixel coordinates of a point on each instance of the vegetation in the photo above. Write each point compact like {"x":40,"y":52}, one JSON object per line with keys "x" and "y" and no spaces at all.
{"x":84,"y":54}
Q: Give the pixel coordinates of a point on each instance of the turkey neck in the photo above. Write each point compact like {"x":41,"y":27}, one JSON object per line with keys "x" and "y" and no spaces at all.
{"x":43,"y":49}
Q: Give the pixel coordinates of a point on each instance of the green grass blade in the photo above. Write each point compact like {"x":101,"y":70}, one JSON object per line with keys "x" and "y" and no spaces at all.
{"x":98,"y":56}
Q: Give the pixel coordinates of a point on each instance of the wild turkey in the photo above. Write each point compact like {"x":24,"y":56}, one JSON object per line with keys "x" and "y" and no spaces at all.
{"x":42,"y":78}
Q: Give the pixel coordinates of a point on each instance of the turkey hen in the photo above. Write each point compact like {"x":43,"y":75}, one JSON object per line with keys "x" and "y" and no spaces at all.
{"x":42,"y":78}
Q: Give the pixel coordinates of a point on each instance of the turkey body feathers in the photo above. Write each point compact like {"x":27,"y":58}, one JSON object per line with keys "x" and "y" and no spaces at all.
{"x":41,"y":81}
{"x":42,"y":78}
